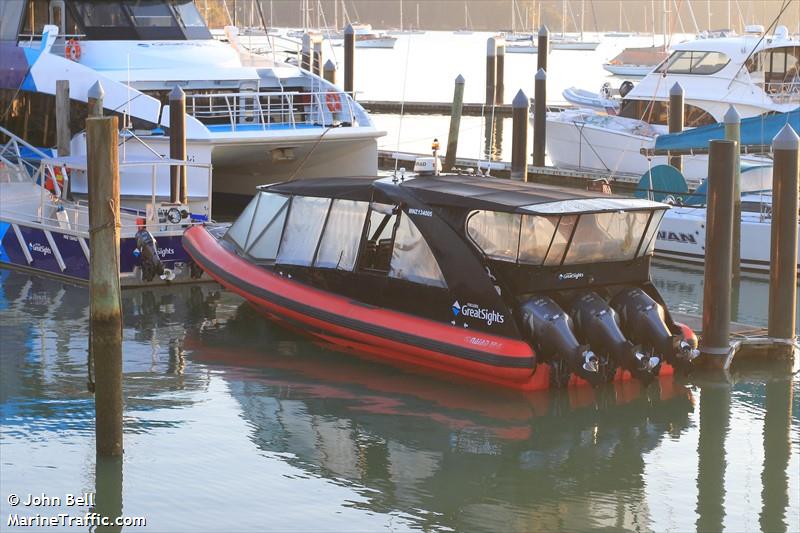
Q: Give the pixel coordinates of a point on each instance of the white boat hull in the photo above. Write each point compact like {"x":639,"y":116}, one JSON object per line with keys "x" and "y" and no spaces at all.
{"x":682,"y":236}
{"x":380,"y":42}
{"x":574,"y":45}
{"x":522,"y":49}
{"x":586,"y":146}
{"x":629,"y":70}
{"x":240,"y":165}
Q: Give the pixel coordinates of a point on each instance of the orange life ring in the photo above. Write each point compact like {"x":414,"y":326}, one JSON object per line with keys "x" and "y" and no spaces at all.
{"x":72,"y":50}
{"x":333,"y":102}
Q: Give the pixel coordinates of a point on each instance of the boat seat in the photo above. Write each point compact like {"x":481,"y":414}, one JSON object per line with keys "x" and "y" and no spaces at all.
{"x":383,"y":255}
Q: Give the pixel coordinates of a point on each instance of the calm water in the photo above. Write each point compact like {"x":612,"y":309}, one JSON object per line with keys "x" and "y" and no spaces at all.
{"x":232,"y":423}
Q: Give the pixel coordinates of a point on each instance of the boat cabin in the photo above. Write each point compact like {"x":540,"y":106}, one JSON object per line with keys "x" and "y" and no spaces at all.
{"x":466,"y":245}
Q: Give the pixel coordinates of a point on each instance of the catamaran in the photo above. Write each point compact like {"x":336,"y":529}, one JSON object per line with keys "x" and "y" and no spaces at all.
{"x":254,"y":118}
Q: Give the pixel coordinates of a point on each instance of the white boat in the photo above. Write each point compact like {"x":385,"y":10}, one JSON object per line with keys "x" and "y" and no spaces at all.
{"x":634,"y":71}
{"x":577,"y":44}
{"x":618,"y":34}
{"x":586,"y":139}
{"x":682,"y":234}
{"x":43,"y":231}
{"x":636,"y":61}
{"x":366,"y":37}
{"x":254,"y":118}
{"x":727,"y":71}
{"x":601,"y":100}
{"x":571,"y":42}
{"x":518,"y":48}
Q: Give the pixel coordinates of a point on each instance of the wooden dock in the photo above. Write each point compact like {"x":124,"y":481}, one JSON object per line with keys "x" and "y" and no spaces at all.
{"x":440,"y":108}
{"x":620,"y":183}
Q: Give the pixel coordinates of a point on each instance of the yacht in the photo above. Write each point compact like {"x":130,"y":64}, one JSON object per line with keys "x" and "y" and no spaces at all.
{"x":756,"y":75}
{"x":366,"y":37}
{"x":255,"y":118}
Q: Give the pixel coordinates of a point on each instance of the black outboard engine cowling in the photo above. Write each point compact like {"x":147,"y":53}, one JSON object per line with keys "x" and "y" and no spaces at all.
{"x":643,"y":322}
{"x":597,"y":324}
{"x":551,"y":331}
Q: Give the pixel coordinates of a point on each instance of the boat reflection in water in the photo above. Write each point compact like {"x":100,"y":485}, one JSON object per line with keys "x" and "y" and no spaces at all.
{"x":220,"y":402}
{"x":484,"y":458}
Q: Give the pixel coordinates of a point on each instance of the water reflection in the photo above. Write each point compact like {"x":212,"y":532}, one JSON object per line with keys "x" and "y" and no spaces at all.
{"x":215,"y":394}
{"x":493,"y":138}
{"x":484,"y":459}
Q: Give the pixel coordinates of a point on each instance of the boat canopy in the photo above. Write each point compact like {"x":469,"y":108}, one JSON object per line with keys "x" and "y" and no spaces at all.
{"x":471,"y":193}
{"x":756,"y":133}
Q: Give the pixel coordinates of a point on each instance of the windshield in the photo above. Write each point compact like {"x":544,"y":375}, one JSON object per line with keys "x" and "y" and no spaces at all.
{"x":553,"y":240}
{"x":139,"y":19}
{"x":694,"y":62}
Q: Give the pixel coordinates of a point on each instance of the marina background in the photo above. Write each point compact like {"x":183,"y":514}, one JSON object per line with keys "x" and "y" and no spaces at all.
{"x":218,"y":399}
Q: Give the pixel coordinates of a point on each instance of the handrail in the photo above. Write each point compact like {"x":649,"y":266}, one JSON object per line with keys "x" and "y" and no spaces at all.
{"x":272,"y":108}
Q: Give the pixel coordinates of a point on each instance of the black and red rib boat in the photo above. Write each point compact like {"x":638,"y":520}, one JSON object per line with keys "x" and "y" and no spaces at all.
{"x":514,"y":284}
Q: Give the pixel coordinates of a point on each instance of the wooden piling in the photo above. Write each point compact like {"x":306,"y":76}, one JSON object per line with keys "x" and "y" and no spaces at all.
{"x":715,"y":343}
{"x":500,"y":62}
{"x":519,"y":137}
{"x":306,"y":52}
{"x":455,"y":123}
{"x":178,"y":185}
{"x":104,"y":285}
{"x":539,"y":118}
{"x":62,"y":118}
{"x":491,"y":70}
{"x":675,"y":119}
{"x":316,"y":64}
{"x":349,"y":59}
{"x":783,"y":246}
{"x":95,"y":99}
{"x":732,"y":122}
{"x":329,"y":71}
{"x":542,"y":48}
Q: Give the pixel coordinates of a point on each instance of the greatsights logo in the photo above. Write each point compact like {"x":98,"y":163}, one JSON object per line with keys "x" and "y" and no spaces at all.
{"x":476,"y":311}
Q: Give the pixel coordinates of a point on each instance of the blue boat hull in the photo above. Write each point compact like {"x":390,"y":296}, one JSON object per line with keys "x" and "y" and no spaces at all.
{"x":75,"y":260}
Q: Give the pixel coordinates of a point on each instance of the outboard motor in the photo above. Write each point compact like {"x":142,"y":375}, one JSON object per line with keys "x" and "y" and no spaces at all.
{"x":147,"y":251}
{"x":551,"y":330}
{"x":625,"y":88}
{"x":642,"y":320}
{"x":597,"y":324}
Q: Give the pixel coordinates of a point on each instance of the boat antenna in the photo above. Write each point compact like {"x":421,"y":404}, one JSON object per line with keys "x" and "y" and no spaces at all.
{"x":402,"y":108}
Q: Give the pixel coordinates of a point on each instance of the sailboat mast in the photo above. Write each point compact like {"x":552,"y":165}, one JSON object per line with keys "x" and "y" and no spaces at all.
{"x":583,"y":5}
{"x":665,"y":8}
{"x":563,"y":16}
{"x":418,"y":16}
{"x":401,"y":15}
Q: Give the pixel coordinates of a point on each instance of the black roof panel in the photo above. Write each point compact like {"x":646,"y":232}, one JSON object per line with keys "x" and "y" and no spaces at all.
{"x":469,"y":192}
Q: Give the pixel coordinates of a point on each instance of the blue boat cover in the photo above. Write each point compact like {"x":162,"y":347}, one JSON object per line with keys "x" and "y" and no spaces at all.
{"x":756,"y":131}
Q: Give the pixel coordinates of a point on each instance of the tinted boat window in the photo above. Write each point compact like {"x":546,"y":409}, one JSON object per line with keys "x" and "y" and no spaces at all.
{"x":152,"y":13}
{"x":265,"y":232}
{"x":268,"y":205}
{"x":495,"y":233}
{"x":377,"y":248}
{"x":694,"y":62}
{"x":238,"y":231}
{"x":649,"y":242}
{"x":537,"y":234}
{"x":412,"y":259}
{"x":303,"y":228}
{"x":606,"y":237}
{"x":339,"y":245}
{"x":566,"y":226}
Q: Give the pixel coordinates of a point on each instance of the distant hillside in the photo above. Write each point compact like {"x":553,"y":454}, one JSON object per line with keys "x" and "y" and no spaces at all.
{"x":490,"y":15}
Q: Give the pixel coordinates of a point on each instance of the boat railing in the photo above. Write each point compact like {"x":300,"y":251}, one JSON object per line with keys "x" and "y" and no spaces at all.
{"x":18,"y":161}
{"x":783,"y":92}
{"x":250,"y":110}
